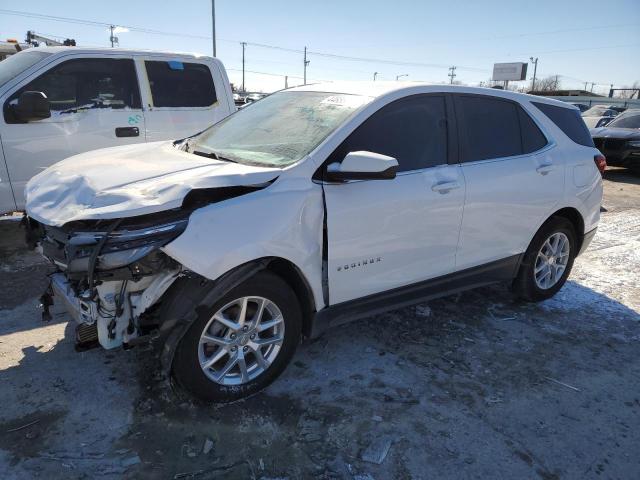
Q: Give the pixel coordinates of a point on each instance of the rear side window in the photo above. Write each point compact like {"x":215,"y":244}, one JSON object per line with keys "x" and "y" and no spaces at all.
{"x":532,"y":138}
{"x":490,"y":128}
{"x":413,"y":130}
{"x":569,"y":121}
{"x":180,"y":84}
{"x":88,"y":83}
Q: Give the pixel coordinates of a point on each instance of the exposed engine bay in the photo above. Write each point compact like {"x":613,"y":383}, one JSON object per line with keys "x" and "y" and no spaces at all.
{"x":111,"y":272}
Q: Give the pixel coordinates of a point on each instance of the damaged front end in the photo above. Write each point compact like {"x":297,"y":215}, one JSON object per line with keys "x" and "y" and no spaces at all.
{"x":110,"y":272}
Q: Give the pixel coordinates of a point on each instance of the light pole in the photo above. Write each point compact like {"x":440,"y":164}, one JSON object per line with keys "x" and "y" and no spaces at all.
{"x":375,"y":74}
{"x":244,"y":44}
{"x":400,"y":76}
{"x":306,"y":64}
{"x":213,"y":25}
{"x":535,"y":70}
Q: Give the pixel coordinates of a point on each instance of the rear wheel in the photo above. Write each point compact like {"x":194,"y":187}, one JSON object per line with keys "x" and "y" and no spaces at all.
{"x":547,"y":262}
{"x":242,"y":342}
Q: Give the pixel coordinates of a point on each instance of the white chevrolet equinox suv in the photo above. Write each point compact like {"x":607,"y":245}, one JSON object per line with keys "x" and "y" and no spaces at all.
{"x":314,"y":206}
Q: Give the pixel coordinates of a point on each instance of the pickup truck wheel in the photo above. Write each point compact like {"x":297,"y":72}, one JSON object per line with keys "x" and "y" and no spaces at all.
{"x":547,"y":262}
{"x":242,"y":342}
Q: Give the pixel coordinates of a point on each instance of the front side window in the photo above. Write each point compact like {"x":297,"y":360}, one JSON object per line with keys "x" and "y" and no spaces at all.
{"x":180,"y":84}
{"x":15,"y":64}
{"x":413,"y":130}
{"x":279,"y":130}
{"x":489,"y":128}
{"x":88,"y":83}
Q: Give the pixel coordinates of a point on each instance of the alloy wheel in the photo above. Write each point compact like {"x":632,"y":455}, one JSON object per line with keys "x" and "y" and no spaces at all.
{"x":552,"y":260}
{"x":241,"y":340}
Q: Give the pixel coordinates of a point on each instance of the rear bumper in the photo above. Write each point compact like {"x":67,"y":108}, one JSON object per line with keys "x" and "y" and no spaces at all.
{"x":586,"y":240}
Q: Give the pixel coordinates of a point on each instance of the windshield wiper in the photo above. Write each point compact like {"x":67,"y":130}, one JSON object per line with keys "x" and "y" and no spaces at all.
{"x":213,"y":155}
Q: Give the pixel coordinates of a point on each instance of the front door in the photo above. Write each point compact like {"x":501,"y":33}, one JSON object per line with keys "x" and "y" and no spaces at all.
{"x":384,"y":234}
{"x":95,"y":103}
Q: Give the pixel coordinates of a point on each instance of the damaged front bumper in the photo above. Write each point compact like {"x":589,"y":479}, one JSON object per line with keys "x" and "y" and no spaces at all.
{"x":110,"y":273}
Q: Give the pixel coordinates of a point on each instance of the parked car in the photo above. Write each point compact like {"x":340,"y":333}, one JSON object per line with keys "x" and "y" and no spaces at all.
{"x":583,"y":107}
{"x":315,"y":206}
{"x":620,"y":140}
{"x":60,"y":101}
{"x":254,"y":97}
{"x":598,"y":115}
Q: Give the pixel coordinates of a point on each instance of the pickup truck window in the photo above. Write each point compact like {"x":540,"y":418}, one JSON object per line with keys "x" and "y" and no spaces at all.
{"x":180,"y":84}
{"x":12,"y":66}
{"x":280,"y":129}
{"x":85,"y":83}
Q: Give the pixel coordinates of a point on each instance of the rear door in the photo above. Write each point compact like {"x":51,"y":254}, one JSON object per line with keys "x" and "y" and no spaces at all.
{"x":95,"y":103}
{"x":181,"y":97}
{"x":513,"y":174}
{"x":384,"y":234}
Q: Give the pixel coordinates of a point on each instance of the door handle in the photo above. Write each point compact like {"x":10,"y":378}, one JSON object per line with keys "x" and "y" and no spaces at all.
{"x":445,"y":187}
{"x":127,"y":132}
{"x":544,"y":169}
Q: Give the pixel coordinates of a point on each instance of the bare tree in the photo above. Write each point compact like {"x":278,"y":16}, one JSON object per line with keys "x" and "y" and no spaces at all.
{"x":629,"y":93}
{"x":548,"y":84}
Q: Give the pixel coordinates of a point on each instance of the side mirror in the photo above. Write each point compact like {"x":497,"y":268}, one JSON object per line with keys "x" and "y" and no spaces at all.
{"x":363,"y":166}
{"x":32,"y":106}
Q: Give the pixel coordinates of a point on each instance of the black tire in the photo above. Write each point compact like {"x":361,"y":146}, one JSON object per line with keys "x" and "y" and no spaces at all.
{"x":186,"y":368}
{"x":524,"y":285}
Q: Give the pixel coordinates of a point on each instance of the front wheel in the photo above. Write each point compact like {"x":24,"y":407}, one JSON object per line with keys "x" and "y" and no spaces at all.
{"x":547,"y":262}
{"x":242,"y":342}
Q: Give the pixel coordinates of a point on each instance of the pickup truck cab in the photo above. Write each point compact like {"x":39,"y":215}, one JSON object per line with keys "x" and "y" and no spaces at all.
{"x":312,"y":207}
{"x":61,"y":101}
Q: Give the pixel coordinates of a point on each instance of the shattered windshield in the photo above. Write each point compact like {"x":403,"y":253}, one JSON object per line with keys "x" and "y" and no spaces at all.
{"x":278,"y":130}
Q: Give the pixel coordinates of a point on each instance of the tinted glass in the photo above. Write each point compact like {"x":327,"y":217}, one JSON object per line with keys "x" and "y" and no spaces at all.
{"x":412,"y":130}
{"x":490,"y":128}
{"x":569,"y":121}
{"x":18,"y":63}
{"x":626,"y":120}
{"x":88,"y":83}
{"x":532,"y":138}
{"x":179,"y":84}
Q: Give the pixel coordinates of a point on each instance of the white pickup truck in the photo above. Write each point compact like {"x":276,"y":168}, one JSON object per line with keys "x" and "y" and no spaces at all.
{"x":61,"y":101}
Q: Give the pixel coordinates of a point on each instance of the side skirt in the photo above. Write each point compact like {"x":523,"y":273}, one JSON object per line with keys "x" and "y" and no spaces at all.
{"x":493,"y":272}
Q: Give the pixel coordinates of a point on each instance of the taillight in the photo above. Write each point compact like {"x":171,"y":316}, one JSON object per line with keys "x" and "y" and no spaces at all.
{"x":601,"y":162}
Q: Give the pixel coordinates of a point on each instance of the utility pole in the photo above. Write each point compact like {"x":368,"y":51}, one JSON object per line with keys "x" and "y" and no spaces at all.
{"x":556,"y":84}
{"x":111,"y":37}
{"x":592,"y":85}
{"x":400,"y":76}
{"x":535,"y":70}
{"x":213,"y":26}
{"x":585,"y":86}
{"x":375,"y":74}
{"x":452,"y":74}
{"x":306,"y":63}
{"x":244,"y":44}
{"x":286,"y":81}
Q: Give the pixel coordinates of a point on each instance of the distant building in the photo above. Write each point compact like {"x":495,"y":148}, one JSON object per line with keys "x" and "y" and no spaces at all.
{"x":564,"y":93}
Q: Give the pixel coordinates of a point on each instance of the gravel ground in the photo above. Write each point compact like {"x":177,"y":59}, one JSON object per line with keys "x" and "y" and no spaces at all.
{"x":469,"y":386}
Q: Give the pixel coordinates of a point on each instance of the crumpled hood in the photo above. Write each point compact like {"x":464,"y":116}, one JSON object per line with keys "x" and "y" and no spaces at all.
{"x":128,"y":181}
{"x":622,"y":133}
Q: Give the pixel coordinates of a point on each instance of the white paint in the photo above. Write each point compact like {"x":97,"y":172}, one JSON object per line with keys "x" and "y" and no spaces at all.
{"x":420,"y":225}
{"x":29,"y":148}
{"x":365,"y":162}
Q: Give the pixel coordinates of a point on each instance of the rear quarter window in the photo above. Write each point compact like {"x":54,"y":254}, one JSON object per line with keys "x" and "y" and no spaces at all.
{"x":569,"y":121}
{"x":180,"y":84}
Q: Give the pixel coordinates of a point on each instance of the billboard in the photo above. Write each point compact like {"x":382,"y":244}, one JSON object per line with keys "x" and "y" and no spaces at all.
{"x":509,"y":71}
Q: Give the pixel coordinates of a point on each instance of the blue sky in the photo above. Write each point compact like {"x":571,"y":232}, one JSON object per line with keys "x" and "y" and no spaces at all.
{"x":581,"y":40}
